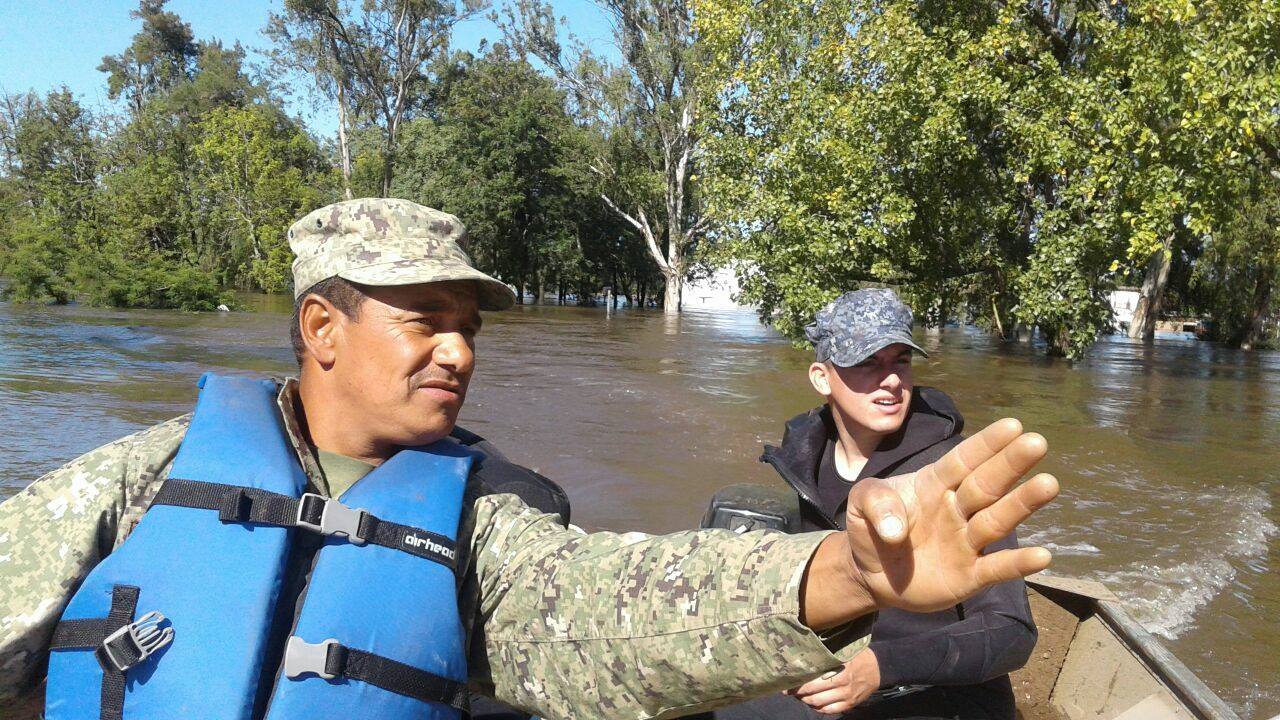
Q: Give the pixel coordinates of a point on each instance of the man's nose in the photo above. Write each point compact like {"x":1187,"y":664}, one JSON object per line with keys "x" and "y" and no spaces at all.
{"x":455,"y":353}
{"x":891,"y":381}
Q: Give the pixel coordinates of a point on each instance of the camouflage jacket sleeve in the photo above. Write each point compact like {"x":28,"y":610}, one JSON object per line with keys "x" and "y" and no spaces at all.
{"x":636,"y":626}
{"x":57,"y":529}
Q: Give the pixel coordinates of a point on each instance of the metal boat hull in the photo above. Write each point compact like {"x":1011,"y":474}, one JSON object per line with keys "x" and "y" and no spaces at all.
{"x":1093,"y":661}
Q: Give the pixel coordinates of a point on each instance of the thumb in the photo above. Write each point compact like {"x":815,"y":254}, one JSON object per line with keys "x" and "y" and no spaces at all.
{"x":881,"y":506}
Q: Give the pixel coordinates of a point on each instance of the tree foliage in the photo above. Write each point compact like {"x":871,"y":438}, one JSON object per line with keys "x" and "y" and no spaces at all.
{"x":1013,"y":163}
{"x":377,"y":56}
{"x":184,"y":193}
{"x":504,"y":154}
{"x":645,"y":106}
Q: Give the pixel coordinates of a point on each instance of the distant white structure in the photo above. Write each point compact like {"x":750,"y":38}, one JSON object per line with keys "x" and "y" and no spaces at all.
{"x":1124,"y":301}
{"x":713,"y":293}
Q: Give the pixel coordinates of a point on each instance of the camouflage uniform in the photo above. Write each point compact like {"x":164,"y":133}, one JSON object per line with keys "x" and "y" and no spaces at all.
{"x":385,"y":242}
{"x":563,"y":623}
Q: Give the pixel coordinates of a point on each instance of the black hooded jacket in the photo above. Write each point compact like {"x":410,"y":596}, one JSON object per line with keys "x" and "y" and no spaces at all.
{"x":980,"y":640}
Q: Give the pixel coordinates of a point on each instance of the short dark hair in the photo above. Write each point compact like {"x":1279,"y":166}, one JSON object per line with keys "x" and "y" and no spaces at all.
{"x":345,"y":295}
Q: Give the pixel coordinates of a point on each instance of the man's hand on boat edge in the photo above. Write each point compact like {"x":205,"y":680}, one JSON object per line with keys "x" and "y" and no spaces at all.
{"x":915,"y":541}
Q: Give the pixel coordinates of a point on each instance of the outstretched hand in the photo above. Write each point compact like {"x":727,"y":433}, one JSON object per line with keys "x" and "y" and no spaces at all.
{"x":917,"y":539}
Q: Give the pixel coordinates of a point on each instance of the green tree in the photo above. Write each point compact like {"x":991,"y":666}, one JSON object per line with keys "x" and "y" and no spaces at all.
{"x":1235,"y":279}
{"x":260,"y":172}
{"x":1016,"y":159}
{"x":377,"y":56}
{"x":184,"y":194}
{"x":869,"y":150}
{"x":506,"y":157}
{"x":160,"y":57}
{"x":52,"y":160}
{"x":646,"y":107}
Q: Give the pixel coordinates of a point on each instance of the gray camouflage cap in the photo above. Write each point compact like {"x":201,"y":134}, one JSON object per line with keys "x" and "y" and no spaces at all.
{"x":858,"y":324}
{"x":385,"y":241}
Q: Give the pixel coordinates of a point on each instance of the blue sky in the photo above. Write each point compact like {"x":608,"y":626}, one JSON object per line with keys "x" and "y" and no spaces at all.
{"x":47,"y":44}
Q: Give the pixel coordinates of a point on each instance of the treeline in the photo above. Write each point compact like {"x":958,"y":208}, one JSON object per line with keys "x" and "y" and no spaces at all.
{"x":184,"y":191}
{"x":1007,"y":164}
{"x":182,"y":194}
{"x":1011,"y":163}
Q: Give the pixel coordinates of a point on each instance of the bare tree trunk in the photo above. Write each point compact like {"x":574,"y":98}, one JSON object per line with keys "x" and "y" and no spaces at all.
{"x":1151,"y":296}
{"x":671,"y":296}
{"x":388,"y":167}
{"x":344,"y":145}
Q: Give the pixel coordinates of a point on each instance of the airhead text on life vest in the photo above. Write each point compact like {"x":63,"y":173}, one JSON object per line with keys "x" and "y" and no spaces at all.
{"x":431,"y":546}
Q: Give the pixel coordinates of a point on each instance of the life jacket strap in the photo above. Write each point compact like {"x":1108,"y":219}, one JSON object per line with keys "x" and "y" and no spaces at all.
{"x":119,"y":641}
{"x":316,"y":513}
{"x":331,"y":660}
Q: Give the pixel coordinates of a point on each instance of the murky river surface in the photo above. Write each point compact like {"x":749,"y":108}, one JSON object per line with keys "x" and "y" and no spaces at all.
{"x":1167,"y":454}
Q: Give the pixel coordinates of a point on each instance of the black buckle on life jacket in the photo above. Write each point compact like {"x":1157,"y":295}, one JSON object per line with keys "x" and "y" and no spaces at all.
{"x":335,"y":518}
{"x":133,"y":643}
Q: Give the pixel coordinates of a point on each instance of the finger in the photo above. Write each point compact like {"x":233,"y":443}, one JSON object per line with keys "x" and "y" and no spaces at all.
{"x":879,"y":504}
{"x":837,"y":708}
{"x":817,"y":685}
{"x":966,"y":457}
{"x":992,"y":479}
{"x":1011,"y":510}
{"x":825,"y":698}
{"x":1007,"y":565}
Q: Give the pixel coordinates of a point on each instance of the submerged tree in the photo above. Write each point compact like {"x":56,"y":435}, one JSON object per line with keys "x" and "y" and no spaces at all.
{"x":503,"y":153}
{"x":1017,"y":159}
{"x":1234,"y":282}
{"x":258,"y":171}
{"x":647,"y":106}
{"x":183,"y":194}
{"x":47,"y":189}
{"x":503,"y":156}
{"x":377,"y":57}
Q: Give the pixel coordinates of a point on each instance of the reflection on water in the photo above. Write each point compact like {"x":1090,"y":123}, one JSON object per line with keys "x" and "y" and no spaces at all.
{"x":1165,"y":452}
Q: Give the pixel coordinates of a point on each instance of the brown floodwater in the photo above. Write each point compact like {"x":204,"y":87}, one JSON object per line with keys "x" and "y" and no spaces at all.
{"x":1166,"y":453}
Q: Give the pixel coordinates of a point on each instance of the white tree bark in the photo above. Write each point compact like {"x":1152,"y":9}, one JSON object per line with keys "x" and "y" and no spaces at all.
{"x":344,"y":145}
{"x":1151,"y":297}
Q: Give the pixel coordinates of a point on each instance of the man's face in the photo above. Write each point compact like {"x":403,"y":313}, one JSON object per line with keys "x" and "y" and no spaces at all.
{"x":405,"y":364}
{"x":874,"y":394}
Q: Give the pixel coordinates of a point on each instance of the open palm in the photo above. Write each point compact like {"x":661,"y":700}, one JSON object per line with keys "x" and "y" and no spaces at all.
{"x":917,"y":539}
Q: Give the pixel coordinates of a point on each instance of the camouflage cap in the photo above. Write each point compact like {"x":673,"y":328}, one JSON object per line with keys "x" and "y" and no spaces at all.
{"x":385,"y":241}
{"x":858,"y":324}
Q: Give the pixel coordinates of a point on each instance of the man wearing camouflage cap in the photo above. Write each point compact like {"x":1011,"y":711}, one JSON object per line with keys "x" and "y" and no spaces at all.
{"x":875,"y":422}
{"x":561,"y":623}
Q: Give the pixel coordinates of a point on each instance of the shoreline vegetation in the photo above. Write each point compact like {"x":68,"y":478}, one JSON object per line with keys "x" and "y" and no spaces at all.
{"x":997,"y":164}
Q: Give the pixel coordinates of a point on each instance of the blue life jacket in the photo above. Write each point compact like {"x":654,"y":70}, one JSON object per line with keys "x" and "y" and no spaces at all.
{"x":177,"y":621}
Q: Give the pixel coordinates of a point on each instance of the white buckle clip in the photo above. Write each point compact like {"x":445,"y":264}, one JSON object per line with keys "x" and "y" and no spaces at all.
{"x":136,"y":641}
{"x":302,"y":657}
{"x":335,"y":518}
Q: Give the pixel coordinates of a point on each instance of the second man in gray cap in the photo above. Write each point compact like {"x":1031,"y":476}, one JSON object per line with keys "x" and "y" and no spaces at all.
{"x":875,"y":422}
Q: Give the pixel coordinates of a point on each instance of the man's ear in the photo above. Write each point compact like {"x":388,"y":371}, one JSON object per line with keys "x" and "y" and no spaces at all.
{"x":318,"y":320}
{"x":820,"y":378}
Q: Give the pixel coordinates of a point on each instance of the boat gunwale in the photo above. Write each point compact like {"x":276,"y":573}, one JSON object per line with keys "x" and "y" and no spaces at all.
{"x":1185,"y":686}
